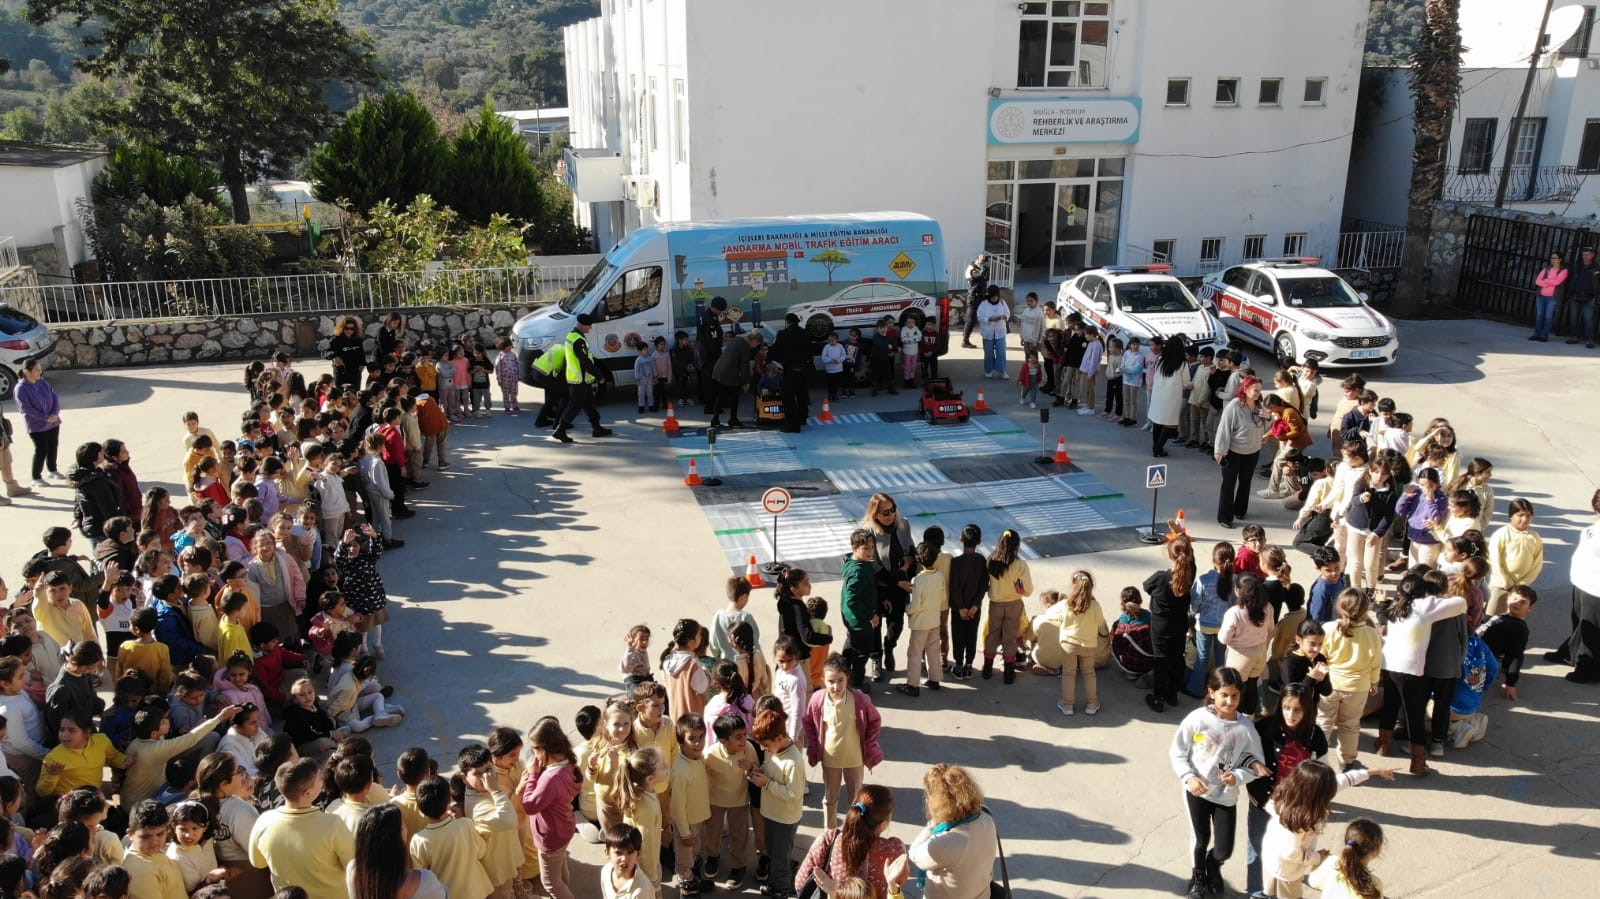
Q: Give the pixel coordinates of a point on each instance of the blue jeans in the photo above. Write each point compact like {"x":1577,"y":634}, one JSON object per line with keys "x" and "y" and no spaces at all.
{"x":1209,"y":656}
{"x":1544,"y":316}
{"x":1255,"y":828}
{"x":994,"y":355}
{"x":1583,"y":320}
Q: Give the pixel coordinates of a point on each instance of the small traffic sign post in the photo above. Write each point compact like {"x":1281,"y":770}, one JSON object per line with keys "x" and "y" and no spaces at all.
{"x":775,"y":502}
{"x":711,"y":466}
{"x":1155,"y":477}
{"x":1044,"y":457}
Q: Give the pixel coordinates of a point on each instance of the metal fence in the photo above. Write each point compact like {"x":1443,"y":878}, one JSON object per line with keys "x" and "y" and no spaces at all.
{"x":8,"y":253}
{"x":279,"y":294}
{"x":1501,"y":258}
{"x":1371,"y":249}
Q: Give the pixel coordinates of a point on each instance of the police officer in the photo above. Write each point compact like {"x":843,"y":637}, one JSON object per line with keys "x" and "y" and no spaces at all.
{"x":582,"y":375}
{"x":792,"y":350}
{"x":708,"y":342}
{"x":549,"y":370}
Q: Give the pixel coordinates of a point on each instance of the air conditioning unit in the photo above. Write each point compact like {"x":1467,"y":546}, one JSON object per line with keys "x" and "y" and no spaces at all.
{"x":641,"y":190}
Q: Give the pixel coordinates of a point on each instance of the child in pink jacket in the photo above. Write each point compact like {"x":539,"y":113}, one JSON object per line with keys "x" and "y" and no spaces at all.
{"x":842,"y":728}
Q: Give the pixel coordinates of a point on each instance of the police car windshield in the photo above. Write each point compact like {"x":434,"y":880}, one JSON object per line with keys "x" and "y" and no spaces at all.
{"x":1154,"y":296}
{"x":572,"y":301}
{"x":1317,"y":293}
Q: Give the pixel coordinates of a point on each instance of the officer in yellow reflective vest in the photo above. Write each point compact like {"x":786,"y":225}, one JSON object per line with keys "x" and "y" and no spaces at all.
{"x":582,"y":376}
{"x":550,"y":371}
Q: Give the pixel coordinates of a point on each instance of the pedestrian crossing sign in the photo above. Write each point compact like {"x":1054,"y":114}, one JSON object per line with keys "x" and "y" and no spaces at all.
{"x":1155,"y":477}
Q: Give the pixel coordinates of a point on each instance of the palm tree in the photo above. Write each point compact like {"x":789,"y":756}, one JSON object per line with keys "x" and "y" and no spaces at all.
{"x":1435,"y":89}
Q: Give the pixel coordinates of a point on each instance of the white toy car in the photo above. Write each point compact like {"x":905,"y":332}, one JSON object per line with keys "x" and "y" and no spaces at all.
{"x":1301,"y":312}
{"x":1142,"y":301}
{"x":861,"y":306}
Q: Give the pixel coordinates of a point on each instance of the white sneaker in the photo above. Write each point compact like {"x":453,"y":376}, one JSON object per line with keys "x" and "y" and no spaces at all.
{"x":1091,"y":710}
{"x":57,"y":476}
{"x":1022,"y":402}
{"x":1001,"y":374}
{"x":1064,"y":709}
{"x":1033,"y":405}
{"x":1086,"y":411}
{"x":40,"y":482}
{"x":389,"y":720}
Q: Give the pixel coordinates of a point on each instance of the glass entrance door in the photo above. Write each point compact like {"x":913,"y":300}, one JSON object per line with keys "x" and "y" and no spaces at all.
{"x":1070,"y":245}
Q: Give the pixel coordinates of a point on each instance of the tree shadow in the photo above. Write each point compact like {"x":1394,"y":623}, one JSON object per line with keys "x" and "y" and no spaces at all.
{"x":991,"y":752}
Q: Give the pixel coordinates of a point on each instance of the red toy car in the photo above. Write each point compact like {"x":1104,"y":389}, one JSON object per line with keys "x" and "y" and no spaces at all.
{"x":941,"y":402}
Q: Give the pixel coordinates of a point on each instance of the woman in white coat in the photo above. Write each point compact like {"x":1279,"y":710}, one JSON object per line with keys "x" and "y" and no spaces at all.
{"x":1166,"y":393}
{"x":956,"y":851}
{"x":993,"y":315}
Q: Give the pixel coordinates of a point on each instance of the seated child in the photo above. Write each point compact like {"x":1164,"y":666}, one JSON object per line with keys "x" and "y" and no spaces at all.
{"x":1479,"y":667}
{"x":144,"y":652}
{"x":353,"y":701}
{"x":275,"y":666}
{"x":180,"y":772}
{"x":334,"y":619}
{"x":191,"y":849}
{"x":151,"y":874}
{"x":127,"y":697}
{"x":79,"y":760}
{"x":233,"y":687}
{"x":308,"y":723}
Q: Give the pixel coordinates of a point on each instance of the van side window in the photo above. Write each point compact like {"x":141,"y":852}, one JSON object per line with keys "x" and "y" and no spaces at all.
{"x":636,"y":291}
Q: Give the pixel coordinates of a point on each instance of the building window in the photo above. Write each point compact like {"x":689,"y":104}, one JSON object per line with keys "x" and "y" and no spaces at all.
{"x":1477,"y":146}
{"x":1063,"y":43}
{"x":1227,"y":92}
{"x":1211,"y":249}
{"x":1294,"y":244}
{"x":1163,"y":250}
{"x":680,"y":122}
{"x":1255,"y":246}
{"x":1578,"y":45}
{"x":650,"y":112}
{"x":1589,"y":150}
{"x":1315,"y":89}
{"x":1177,"y":92}
{"x":1530,"y":140}
{"x":1271,"y":92}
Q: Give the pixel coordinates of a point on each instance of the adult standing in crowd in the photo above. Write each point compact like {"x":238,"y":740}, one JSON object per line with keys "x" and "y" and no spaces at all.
{"x":347,"y":349}
{"x":1237,"y":449}
{"x":7,"y":440}
{"x":895,"y":564}
{"x":792,"y":350}
{"x":1166,"y":394}
{"x":708,"y":343}
{"x":1551,"y":283}
{"x":41,"y":413}
{"x":977,"y":292}
{"x":1582,"y":287}
{"x":583,"y":373}
{"x":1581,"y":650}
{"x":993,"y":316}
{"x":391,"y":336}
{"x":957,"y":848}
{"x":732,"y":378}
{"x":1170,"y":590}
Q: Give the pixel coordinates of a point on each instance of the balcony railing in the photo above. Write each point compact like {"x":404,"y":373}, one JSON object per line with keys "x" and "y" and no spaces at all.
{"x":1527,"y":184}
{"x":8,"y":253}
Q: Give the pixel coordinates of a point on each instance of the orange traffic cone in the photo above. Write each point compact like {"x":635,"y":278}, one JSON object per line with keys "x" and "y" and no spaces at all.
{"x":693,"y":480}
{"x":980,"y":405}
{"x":752,"y":573}
{"x":671,"y":424}
{"x":827,"y":413}
{"x":1177,"y":526}
{"x":1061,"y":457}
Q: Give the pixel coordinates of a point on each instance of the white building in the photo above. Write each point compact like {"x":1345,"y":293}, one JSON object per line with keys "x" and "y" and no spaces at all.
{"x":42,"y":186}
{"x":1555,"y":160}
{"x":1105,"y":132}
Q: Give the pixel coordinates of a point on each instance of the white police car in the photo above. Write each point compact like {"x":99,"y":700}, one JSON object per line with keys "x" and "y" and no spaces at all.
{"x":862,"y":306}
{"x":1142,"y":301}
{"x":1300,"y":312}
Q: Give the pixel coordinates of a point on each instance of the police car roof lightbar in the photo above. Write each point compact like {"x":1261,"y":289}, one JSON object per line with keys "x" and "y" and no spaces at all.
{"x":1293,"y":260}
{"x":1153,"y":268}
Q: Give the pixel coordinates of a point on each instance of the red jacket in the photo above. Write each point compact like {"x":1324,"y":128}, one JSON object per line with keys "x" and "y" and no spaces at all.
{"x":1028,"y":378}
{"x":270,"y":666}
{"x":431,"y":420}
{"x":394,"y":445}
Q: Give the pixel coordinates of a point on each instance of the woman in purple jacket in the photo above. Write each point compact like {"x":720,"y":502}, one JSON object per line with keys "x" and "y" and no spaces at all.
{"x":41,"y":412}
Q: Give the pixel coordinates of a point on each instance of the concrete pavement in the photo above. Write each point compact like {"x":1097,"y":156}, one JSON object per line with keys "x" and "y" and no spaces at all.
{"x":528,"y":563}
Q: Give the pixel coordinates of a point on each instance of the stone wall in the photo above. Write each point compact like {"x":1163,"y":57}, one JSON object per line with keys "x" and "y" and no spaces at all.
{"x":132,"y":342}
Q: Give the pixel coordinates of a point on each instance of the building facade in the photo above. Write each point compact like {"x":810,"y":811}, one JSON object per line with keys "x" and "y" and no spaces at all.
{"x":1054,"y":135}
{"x":1554,"y":151}
{"x":43,"y":187}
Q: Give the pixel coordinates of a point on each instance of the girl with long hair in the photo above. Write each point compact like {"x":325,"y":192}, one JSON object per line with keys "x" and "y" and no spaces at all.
{"x":858,"y":848}
{"x":1408,"y":622}
{"x":382,"y":866}
{"x":1009,"y":582}
{"x":1081,"y":629}
{"x":1170,"y":592}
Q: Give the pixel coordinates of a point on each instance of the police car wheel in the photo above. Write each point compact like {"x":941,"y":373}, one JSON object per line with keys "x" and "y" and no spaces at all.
{"x":819,"y":326}
{"x":1284,"y":349}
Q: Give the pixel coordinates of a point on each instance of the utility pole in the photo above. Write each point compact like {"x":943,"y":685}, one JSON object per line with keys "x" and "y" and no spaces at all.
{"x":1522,"y":107}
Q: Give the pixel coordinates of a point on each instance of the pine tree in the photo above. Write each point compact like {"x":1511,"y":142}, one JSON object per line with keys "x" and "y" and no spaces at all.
{"x":389,"y":148}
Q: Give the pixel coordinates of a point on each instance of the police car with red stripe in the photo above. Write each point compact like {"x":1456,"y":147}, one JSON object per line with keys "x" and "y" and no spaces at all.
{"x":1142,"y":301}
{"x":1300,"y":311}
{"x":863,"y":305}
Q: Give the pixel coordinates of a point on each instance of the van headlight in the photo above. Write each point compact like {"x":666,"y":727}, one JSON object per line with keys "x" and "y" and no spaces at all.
{"x":533,"y":343}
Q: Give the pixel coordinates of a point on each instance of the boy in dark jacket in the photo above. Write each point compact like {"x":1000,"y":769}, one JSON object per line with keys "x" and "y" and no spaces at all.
{"x":858,"y":602}
{"x":969,"y":581}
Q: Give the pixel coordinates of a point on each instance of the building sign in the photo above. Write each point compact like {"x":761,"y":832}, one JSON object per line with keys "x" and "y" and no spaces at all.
{"x":1064,"y":121}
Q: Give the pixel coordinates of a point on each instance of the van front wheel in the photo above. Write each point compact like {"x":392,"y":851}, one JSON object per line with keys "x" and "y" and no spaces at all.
{"x":819,"y":326}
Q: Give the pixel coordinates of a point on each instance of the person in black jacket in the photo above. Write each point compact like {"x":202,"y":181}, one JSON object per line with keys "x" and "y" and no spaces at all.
{"x":792,"y":349}
{"x":348,"y":351}
{"x":794,"y":585}
{"x":708,"y":342}
{"x":96,"y":499}
{"x":969,"y":583}
{"x":1169,"y":620}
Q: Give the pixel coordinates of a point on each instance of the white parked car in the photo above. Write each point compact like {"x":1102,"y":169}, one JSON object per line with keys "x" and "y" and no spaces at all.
{"x":1300,"y":312}
{"x":22,"y":338}
{"x":1142,"y":301}
{"x":861,"y":306}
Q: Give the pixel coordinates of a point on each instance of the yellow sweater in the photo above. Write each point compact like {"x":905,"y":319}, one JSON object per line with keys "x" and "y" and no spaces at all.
{"x":349,"y":811}
{"x":411,"y":818}
{"x":496,"y":820}
{"x":152,"y":658}
{"x":725,"y":776}
{"x":304,"y":847}
{"x":72,"y":623}
{"x":1515,"y":557}
{"x":930,"y":595}
{"x":662,"y":737}
{"x":691,"y":801}
{"x":783,"y":798}
{"x":1083,"y":630}
{"x":647,"y":817}
{"x":153,"y":877}
{"x":231,"y":638}
{"x":203,"y":618}
{"x":1354,"y":662}
{"x":79,"y":767}
{"x":1004,"y":588}
{"x":512,"y":777}
{"x":145,"y":777}
{"x":453,"y":850}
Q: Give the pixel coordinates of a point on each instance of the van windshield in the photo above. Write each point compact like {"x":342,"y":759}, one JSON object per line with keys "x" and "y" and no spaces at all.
{"x":601,"y":271}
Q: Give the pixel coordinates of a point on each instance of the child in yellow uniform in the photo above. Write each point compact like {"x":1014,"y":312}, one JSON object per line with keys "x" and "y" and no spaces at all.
{"x":79,"y":760}
{"x":690,"y":805}
{"x":410,"y":768}
{"x":353,"y":775}
{"x":144,"y":652}
{"x":782,"y":781}
{"x":505,"y":747}
{"x":449,"y":847}
{"x":232,"y":635}
{"x":483,"y":800}
{"x":727,"y":763}
{"x":151,"y":875}
{"x":300,"y":844}
{"x":602,"y":765}
{"x":641,"y":804}
{"x":623,"y":877}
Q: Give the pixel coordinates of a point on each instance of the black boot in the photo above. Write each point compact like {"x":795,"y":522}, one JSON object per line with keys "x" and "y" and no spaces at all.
{"x":1214,"y":876}
{"x":560,"y":434}
{"x":1011,"y":673}
{"x":1197,"y":884}
{"x":988,"y":667}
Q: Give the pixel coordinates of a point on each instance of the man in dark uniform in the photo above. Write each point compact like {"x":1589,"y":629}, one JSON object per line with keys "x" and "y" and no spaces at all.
{"x":732,"y":377}
{"x":792,"y":349}
{"x":708,"y":340}
{"x":977,"y":290}
{"x":582,"y":376}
